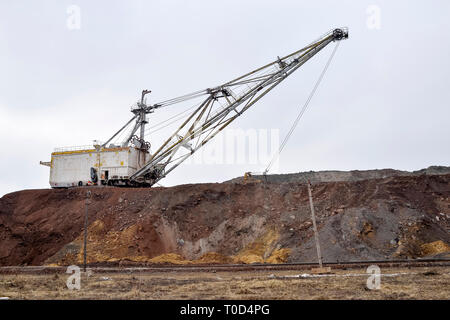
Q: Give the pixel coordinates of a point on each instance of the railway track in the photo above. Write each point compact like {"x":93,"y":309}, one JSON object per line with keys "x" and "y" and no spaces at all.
{"x":230,"y":267}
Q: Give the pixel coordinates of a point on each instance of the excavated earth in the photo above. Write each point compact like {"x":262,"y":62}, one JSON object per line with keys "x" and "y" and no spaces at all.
{"x":252,"y":221}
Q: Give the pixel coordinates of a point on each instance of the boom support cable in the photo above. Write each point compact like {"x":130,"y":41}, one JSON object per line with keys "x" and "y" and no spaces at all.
{"x":302,"y":111}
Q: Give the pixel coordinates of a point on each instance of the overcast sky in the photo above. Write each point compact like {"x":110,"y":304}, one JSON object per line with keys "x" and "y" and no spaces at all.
{"x":384,"y":102}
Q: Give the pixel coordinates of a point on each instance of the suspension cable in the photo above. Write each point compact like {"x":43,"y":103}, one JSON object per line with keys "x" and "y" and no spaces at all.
{"x":302,"y":111}
{"x":176,"y":118}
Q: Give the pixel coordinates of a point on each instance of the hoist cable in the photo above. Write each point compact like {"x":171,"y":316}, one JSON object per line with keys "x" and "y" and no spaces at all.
{"x":302,"y":111}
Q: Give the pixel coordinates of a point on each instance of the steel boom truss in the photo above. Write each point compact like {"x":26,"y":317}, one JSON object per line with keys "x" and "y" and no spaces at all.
{"x":220,"y":106}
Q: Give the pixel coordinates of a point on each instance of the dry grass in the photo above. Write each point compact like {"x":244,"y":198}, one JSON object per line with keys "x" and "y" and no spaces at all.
{"x":415,"y":283}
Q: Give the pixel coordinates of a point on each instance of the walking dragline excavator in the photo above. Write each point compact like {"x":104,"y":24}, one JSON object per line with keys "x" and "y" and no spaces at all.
{"x":132,"y":163}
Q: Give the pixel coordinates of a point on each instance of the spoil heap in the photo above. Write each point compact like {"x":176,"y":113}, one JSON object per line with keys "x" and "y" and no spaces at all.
{"x":404,"y":216}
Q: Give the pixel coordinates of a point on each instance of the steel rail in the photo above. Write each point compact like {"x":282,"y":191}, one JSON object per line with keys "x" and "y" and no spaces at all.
{"x":142,"y":267}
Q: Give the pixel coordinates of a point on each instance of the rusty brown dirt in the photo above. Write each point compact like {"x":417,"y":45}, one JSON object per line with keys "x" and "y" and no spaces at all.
{"x":253,"y":222}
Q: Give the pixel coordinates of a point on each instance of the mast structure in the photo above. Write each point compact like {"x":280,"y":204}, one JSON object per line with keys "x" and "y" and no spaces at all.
{"x":219,"y":107}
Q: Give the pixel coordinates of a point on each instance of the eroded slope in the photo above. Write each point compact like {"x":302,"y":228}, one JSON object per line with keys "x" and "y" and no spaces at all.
{"x":395,"y":217}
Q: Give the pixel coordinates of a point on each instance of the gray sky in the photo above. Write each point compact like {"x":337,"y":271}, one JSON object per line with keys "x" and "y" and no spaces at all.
{"x":384,"y":102}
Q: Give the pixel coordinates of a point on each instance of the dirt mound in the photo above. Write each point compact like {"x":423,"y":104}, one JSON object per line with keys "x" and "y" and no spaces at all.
{"x":434,"y":248}
{"x":335,"y":176}
{"x":229,"y":222}
{"x":263,"y":249}
{"x":214,"y":257}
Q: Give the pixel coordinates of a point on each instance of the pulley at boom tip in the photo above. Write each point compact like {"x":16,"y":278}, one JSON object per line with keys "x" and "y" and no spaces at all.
{"x":340,"y":34}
